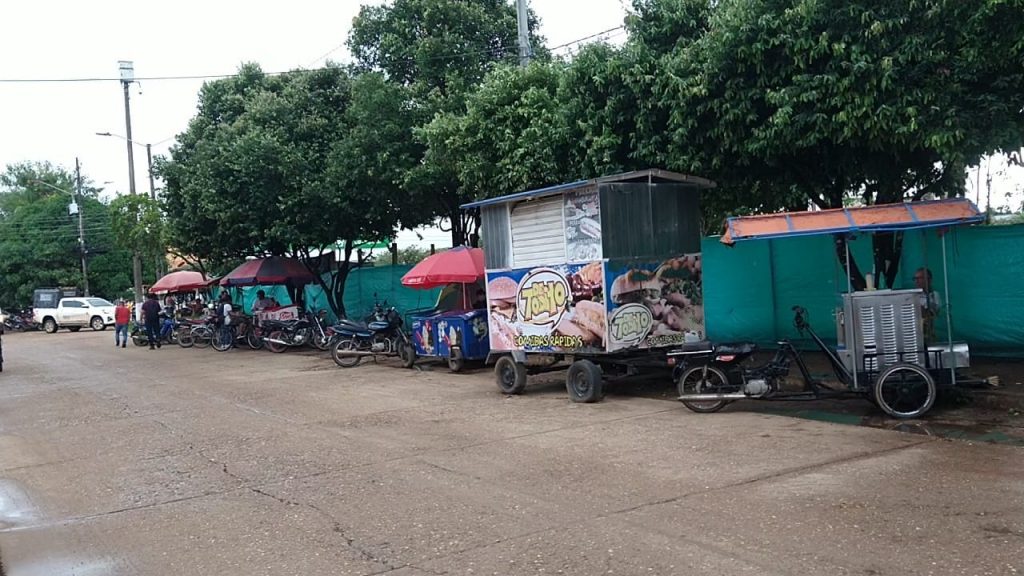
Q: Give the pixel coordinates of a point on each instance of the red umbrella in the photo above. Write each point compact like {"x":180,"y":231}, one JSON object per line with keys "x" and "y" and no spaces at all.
{"x":181,"y":281}
{"x":459,"y":265}
{"x":272,"y":270}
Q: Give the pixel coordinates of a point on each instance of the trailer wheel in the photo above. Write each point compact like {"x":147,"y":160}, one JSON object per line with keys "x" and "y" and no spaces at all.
{"x":456,"y":362}
{"x":584,"y":382}
{"x":905,"y":391}
{"x":511,"y":375}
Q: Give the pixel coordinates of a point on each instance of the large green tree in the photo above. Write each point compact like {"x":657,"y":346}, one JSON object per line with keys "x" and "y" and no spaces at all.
{"x":787,"y":102}
{"x":440,"y":50}
{"x":39,"y":237}
{"x":287,"y":165}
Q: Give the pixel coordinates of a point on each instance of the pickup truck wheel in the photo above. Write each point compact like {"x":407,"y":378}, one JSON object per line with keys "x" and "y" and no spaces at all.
{"x":50,"y":326}
{"x":97,"y":324}
{"x":74,"y":328}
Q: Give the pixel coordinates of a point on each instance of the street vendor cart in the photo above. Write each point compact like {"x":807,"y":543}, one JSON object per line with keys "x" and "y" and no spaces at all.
{"x":886,"y":352}
{"x":455,"y":329}
{"x":599,"y":277}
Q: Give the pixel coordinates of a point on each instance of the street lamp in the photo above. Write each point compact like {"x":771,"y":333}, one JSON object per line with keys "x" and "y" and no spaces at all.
{"x":79,"y":203}
{"x":149,"y":158}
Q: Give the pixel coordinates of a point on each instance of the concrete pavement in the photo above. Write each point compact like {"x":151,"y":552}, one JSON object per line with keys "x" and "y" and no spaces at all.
{"x":197,"y":462}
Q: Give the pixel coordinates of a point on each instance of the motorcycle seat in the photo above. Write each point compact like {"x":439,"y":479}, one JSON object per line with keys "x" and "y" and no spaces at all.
{"x":737,"y":349}
{"x":378,"y":325}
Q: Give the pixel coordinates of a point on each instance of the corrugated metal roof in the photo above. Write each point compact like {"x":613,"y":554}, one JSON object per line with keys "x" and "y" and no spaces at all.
{"x":878,"y":218}
{"x":653,"y":173}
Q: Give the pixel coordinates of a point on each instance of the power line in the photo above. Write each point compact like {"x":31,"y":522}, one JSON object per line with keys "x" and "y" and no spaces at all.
{"x":511,"y":47}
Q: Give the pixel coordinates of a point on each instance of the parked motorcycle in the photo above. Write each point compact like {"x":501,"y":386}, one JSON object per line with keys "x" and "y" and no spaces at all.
{"x":380,"y":335}
{"x":20,"y":321}
{"x":279,"y":335}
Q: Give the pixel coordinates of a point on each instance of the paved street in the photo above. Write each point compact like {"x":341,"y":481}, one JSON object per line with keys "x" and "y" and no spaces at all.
{"x":248,"y":463}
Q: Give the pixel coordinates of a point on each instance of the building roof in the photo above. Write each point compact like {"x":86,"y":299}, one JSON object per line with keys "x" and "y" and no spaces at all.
{"x":878,"y":218}
{"x":651,"y":174}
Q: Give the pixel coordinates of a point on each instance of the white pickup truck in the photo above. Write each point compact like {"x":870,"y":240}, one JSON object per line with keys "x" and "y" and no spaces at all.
{"x":75,"y":314}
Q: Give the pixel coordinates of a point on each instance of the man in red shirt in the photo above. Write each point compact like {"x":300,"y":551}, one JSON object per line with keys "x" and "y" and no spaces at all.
{"x":122,"y":315}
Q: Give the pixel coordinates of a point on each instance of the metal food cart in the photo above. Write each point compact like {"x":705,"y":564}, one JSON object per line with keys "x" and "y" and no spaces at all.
{"x":597,"y":276}
{"x":885,"y":352}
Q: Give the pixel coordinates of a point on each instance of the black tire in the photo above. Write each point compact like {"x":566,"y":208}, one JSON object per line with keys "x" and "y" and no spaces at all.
{"x":696,"y":381}
{"x":511,"y":375}
{"x":221,"y":343}
{"x":97,"y":324}
{"x":139,"y":339}
{"x":74,"y":328}
{"x":50,"y":325}
{"x":185,"y":338}
{"x":254,"y":340}
{"x":320,"y":342}
{"x":274,"y":346}
{"x":407,"y":354}
{"x":202,"y":336}
{"x":584,"y":382}
{"x":905,"y":391}
{"x":456,"y":363}
{"x":342,"y":360}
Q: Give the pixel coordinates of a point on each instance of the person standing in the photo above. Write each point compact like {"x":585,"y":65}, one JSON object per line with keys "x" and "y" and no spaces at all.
{"x":224,"y":316}
{"x":151,"y":314}
{"x":122,"y":316}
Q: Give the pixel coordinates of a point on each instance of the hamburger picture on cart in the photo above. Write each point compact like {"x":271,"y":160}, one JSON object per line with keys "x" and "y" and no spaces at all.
{"x":558,"y":308}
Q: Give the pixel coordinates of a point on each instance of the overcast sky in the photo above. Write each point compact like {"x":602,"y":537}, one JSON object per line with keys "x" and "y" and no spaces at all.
{"x":74,"y":39}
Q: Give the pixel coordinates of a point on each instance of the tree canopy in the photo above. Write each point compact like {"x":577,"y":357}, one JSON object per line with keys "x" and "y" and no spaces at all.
{"x":39,"y":245}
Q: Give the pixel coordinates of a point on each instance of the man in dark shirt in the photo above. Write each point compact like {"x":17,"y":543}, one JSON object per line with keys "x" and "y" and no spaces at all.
{"x":151,"y":315}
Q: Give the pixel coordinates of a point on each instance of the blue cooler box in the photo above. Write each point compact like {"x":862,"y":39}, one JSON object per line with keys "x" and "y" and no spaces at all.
{"x":436,"y":334}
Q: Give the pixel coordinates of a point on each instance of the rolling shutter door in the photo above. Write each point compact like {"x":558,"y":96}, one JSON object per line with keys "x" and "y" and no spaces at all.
{"x":538,"y":233}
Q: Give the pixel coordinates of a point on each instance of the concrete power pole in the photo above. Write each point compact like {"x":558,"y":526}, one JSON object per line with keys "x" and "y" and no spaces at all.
{"x":523,"y":19}
{"x":81,"y":226}
{"x":127,"y":77}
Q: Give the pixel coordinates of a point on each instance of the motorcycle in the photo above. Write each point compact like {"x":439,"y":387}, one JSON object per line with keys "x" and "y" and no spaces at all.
{"x":380,"y":335}
{"x":168,"y":332}
{"x":283,"y":334}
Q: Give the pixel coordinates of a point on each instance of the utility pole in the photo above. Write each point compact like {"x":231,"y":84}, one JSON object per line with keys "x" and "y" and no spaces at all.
{"x":149,"y":162}
{"x":127,"y":77}
{"x":523,"y":19}
{"x":81,"y":226}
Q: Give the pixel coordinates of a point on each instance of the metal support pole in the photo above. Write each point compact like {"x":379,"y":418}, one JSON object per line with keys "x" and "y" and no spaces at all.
{"x":849,"y":290}
{"x":523,"y":20}
{"x":80,"y":200}
{"x":949,"y":316}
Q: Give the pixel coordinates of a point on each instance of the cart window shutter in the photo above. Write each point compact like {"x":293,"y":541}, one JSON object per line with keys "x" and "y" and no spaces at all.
{"x":494,"y":229}
{"x":538,"y":233}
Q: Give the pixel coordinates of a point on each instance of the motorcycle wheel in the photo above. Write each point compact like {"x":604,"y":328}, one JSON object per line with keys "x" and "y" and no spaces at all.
{"x":339,"y":356}
{"x":139,"y":339}
{"x":184,"y":338}
{"x":274,"y":346}
{"x":321,"y":342}
{"x":407,"y":354}
{"x":694,"y":381}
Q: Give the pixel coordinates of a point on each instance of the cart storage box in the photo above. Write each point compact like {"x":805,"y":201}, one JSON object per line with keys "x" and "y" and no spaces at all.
{"x":595,"y":266}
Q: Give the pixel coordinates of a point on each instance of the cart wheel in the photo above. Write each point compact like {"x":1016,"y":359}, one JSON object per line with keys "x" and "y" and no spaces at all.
{"x":696,"y":381}
{"x":407,"y":354}
{"x":905,"y":391}
{"x":511,"y":375}
{"x":584,"y":382}
{"x":455,"y":360}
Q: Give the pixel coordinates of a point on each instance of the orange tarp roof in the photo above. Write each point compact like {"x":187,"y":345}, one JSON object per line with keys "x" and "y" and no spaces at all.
{"x":878,"y":218}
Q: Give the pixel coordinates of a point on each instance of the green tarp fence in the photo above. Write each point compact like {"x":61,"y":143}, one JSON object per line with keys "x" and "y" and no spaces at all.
{"x":361,"y":289}
{"x":750,"y":288}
